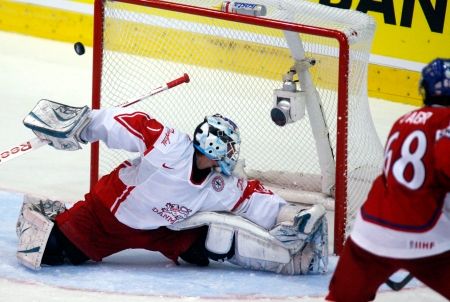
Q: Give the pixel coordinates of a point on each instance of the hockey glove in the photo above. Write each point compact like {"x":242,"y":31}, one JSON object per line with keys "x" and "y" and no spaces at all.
{"x":59,"y":124}
{"x":296,"y":232}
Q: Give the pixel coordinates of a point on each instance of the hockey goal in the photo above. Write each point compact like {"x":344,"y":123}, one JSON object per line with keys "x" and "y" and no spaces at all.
{"x":236,"y":61}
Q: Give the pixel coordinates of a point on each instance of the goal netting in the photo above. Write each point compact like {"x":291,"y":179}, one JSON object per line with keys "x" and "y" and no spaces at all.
{"x":235,"y":62}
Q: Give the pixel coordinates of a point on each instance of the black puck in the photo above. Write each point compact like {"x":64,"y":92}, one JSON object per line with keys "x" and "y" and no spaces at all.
{"x":79,"y":48}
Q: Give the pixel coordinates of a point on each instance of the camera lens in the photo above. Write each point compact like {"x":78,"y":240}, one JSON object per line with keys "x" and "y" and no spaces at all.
{"x":278,"y":117}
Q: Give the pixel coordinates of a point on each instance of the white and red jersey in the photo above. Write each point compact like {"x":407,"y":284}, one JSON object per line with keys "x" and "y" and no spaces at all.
{"x":156,"y":189}
{"x":407,"y":212}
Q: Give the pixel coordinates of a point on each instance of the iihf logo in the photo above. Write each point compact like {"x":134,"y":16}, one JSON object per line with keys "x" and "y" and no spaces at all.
{"x":218,"y":183}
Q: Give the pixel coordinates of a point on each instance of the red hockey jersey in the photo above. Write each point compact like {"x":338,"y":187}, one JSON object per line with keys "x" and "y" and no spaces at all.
{"x":407,"y":212}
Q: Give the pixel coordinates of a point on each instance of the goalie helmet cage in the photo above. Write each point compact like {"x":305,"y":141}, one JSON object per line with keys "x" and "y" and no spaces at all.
{"x":235,"y":63}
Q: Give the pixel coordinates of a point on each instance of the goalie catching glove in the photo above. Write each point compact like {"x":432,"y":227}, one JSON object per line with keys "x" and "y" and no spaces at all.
{"x":296,"y":226}
{"x":61,"y":125}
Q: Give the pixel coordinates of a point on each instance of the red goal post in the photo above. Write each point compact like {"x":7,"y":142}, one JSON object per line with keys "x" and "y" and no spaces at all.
{"x":235,"y":62}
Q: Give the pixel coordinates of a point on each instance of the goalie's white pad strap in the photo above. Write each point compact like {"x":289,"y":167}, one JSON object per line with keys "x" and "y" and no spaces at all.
{"x":251,"y":240}
{"x":33,"y":238}
{"x":219,"y":239}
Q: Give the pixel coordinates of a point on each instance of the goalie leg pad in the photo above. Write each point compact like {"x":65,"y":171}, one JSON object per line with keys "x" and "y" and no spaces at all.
{"x":312,"y":258}
{"x":225,"y":229}
{"x":59,"y":124}
{"x":254,"y":247}
{"x":48,"y":208}
{"x":34,"y":234}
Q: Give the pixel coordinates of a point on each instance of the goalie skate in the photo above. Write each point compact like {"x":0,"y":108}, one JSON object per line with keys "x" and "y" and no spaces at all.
{"x":48,"y":208}
{"x":33,"y":236}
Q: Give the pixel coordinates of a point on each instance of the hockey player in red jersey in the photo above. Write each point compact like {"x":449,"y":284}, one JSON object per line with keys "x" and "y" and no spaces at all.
{"x":405,"y":221}
{"x":149,"y":202}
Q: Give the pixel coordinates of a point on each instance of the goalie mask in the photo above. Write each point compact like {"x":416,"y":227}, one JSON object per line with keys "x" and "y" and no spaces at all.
{"x":435,"y":83}
{"x":218,"y":138}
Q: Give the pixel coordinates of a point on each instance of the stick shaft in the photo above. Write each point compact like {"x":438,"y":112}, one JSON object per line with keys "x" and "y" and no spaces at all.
{"x":35,"y":143}
{"x":20,"y":149}
{"x":166,"y":86}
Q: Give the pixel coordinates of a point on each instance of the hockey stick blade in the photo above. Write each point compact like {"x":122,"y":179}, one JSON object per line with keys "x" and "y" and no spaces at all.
{"x":399,"y":285}
{"x":21,"y":149}
{"x":35,"y":143}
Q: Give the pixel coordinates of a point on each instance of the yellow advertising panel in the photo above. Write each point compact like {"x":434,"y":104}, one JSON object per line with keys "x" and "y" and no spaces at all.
{"x":412,"y":30}
{"x":410,"y":33}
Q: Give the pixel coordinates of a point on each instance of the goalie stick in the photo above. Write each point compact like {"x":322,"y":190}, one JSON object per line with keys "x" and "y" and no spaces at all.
{"x":35,"y":143}
{"x":400,"y":284}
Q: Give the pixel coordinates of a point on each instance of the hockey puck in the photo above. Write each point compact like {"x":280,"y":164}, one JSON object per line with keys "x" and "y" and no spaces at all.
{"x":79,"y":48}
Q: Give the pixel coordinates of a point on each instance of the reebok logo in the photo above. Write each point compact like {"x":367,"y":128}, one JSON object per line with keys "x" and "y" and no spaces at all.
{"x":21,"y":148}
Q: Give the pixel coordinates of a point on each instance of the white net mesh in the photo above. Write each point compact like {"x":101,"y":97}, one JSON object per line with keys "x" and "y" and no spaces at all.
{"x":234,"y":68}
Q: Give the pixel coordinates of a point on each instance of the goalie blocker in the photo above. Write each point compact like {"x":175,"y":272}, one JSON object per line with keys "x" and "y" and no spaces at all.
{"x":58,"y":124}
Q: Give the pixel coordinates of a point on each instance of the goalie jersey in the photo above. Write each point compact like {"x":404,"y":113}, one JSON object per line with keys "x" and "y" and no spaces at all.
{"x":156,"y":188}
{"x":407,"y":212}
